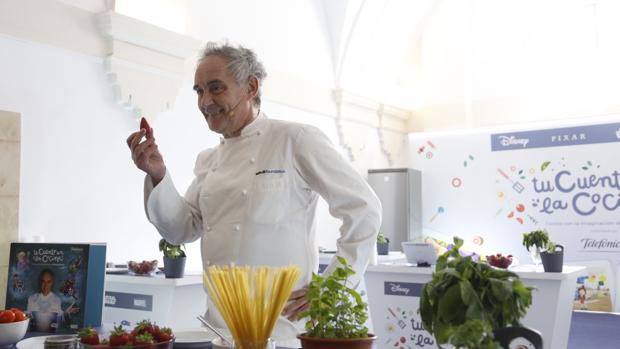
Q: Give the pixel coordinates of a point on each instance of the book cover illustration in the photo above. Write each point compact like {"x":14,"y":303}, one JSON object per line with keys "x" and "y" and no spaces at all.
{"x":593,"y":291}
{"x":48,"y":282}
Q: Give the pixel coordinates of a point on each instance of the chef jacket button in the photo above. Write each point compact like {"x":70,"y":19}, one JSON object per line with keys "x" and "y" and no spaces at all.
{"x":208,"y":228}
{"x":252,"y":160}
{"x":237,"y":227}
{"x":207,"y":262}
{"x":258,"y":133}
{"x":244,"y":192}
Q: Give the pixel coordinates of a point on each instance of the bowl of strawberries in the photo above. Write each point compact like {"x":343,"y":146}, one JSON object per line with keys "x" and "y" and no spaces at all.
{"x":500,"y":261}
{"x":145,"y":335}
{"x":144,"y":268}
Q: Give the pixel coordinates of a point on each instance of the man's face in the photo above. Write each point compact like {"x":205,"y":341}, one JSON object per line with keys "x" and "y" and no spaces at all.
{"x":47,"y":281}
{"x":224,"y":103}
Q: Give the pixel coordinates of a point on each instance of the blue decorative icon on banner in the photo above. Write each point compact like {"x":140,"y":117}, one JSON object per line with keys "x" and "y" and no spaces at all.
{"x":557,"y":137}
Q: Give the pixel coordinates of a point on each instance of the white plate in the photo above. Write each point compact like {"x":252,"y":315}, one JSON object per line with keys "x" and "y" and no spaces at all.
{"x":193,"y":338}
{"x":34,"y":342}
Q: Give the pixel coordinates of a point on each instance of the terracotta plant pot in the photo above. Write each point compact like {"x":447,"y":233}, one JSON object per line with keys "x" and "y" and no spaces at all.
{"x":336,"y":343}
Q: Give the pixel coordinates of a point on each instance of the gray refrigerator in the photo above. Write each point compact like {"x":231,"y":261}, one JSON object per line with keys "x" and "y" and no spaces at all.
{"x":400,"y":192}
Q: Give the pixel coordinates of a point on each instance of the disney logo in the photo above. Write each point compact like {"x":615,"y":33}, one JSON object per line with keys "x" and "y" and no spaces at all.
{"x":512,"y":140}
{"x":397,"y":288}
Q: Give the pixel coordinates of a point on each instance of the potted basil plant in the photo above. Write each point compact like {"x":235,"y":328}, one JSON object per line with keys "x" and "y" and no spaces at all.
{"x":336,"y":314}
{"x":552,"y":257}
{"x":383,"y":244}
{"x":174,"y":259}
{"x":537,"y":239}
{"x":467,"y":302}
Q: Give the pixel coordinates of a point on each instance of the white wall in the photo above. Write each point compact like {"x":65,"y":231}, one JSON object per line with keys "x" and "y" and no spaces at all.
{"x":78,"y":182}
{"x":485,"y":63}
{"x":289,"y":40}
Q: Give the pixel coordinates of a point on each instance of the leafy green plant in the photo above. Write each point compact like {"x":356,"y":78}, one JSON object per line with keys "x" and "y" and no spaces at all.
{"x":171,"y":250}
{"x":474,"y":334}
{"x":381,"y":239}
{"x":335,"y":310}
{"x":538,"y":238}
{"x":465,"y":301}
{"x":551,"y":246}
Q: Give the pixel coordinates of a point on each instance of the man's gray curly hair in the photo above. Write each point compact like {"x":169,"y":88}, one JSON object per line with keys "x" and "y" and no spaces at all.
{"x":242,"y":63}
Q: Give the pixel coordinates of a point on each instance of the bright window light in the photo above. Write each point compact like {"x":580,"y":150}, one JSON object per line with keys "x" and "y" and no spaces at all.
{"x":167,"y":14}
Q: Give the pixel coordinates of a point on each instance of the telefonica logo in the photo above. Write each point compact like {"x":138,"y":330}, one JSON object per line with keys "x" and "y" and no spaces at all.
{"x":600,"y":245}
{"x":507,"y":141}
{"x":397,"y":288}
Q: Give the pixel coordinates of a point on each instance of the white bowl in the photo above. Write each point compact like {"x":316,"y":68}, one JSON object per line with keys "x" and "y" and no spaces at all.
{"x":218,"y":343}
{"x":13,"y":332}
{"x":418,"y":253}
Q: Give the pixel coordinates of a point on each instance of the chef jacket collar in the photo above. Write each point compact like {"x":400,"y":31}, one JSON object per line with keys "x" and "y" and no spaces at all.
{"x":252,"y":129}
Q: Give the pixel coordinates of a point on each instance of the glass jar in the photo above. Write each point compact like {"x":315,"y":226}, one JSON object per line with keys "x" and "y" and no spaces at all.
{"x":249,"y":344}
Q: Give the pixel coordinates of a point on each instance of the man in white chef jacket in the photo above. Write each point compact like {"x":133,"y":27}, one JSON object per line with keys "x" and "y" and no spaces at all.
{"x":254,"y":197}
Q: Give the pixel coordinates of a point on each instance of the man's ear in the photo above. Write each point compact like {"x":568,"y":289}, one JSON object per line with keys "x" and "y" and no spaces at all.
{"x":252,"y":86}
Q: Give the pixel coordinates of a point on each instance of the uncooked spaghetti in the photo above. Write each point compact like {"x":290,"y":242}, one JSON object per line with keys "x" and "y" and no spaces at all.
{"x":250,"y":299}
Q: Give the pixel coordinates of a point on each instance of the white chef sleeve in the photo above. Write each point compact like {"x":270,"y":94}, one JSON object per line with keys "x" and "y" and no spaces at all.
{"x":348,"y":195}
{"x":176,"y":218}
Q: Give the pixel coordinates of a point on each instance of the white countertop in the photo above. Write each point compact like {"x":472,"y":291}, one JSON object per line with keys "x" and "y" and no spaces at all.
{"x":156,"y":280}
{"x":524,"y":271}
{"x":392,"y":256}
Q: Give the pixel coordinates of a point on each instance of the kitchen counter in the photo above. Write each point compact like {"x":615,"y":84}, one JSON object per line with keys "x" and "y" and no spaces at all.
{"x":394,"y":291}
{"x":37,"y":345}
{"x":133,"y":298}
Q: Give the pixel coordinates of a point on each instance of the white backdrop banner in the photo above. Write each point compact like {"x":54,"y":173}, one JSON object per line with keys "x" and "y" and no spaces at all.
{"x":565,"y":180}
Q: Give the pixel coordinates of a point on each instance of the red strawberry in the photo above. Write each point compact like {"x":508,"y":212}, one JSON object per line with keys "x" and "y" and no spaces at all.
{"x":88,"y":335}
{"x":144,"y":340}
{"x":145,"y":326}
{"x":119,"y":337}
{"x":155,"y":332}
{"x":145,"y":124}
{"x":165,"y":334}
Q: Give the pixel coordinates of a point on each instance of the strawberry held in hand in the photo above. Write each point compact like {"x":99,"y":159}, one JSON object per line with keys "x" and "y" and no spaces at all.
{"x":144,"y":124}
{"x":89,"y":336}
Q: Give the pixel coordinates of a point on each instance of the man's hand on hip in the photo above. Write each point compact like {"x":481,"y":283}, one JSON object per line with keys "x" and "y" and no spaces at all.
{"x":297,"y":303}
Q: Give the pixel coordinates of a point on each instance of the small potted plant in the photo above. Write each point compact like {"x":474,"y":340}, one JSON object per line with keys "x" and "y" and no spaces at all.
{"x":538,"y":239}
{"x":174,"y":259}
{"x":552,"y":257}
{"x":336,"y":314}
{"x":487,"y":299}
{"x":383,"y":244}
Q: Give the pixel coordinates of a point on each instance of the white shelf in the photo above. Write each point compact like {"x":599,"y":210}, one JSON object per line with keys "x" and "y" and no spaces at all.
{"x":157,"y":280}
